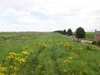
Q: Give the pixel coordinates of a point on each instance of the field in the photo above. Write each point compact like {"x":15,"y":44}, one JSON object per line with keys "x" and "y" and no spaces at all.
{"x":30,"y":53}
{"x":90,"y":36}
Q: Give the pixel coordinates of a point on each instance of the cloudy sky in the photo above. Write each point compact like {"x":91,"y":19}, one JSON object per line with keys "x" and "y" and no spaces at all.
{"x":49,"y":15}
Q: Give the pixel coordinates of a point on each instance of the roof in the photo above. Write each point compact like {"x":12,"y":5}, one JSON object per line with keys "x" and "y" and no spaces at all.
{"x":97,"y":32}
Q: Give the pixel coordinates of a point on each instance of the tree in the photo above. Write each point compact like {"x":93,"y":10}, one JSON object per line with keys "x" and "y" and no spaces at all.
{"x":80,"y":33}
{"x":61,"y":32}
{"x":64,"y":32}
{"x":69,"y":32}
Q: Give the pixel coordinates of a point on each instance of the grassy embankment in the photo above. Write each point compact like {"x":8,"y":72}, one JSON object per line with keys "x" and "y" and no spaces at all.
{"x":52,"y":54}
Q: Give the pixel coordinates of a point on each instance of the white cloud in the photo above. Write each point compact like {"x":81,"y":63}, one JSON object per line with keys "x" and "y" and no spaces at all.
{"x":60,"y":14}
{"x":3,"y":22}
{"x":4,"y":25}
{"x":28,"y":19}
{"x":35,"y":20}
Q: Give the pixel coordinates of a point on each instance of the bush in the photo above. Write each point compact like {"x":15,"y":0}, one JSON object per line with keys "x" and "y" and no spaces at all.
{"x":98,"y":43}
{"x":94,"y":43}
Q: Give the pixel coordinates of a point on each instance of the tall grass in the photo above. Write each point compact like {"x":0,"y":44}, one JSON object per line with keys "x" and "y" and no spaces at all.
{"x":52,"y":54}
{"x":18,"y":35}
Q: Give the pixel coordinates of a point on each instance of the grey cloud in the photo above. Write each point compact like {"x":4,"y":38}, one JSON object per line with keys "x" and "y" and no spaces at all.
{"x":95,"y":12}
{"x":98,"y":18}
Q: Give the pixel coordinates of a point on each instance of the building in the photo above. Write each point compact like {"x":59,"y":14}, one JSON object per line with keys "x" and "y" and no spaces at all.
{"x":97,"y":35}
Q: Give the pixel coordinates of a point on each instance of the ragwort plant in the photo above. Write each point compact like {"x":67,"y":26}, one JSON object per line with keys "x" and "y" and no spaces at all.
{"x":51,"y":57}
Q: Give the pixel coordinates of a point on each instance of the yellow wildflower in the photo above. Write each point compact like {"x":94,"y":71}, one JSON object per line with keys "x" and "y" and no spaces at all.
{"x":70,"y":57}
{"x":80,"y":48}
{"x":13,"y":74}
{"x":15,"y":63}
{"x":65,"y":70}
{"x":88,"y":42}
{"x":25,"y":52}
{"x":2,"y":74}
{"x":22,"y":60}
{"x":57,"y":44}
{"x":24,"y":47}
{"x":15,"y":68}
{"x":11,"y":55}
{"x":66,"y":61}
{"x":66,"y":44}
{"x":61,"y":43}
{"x":17,"y":58}
{"x":94,"y":46}
{"x":49,"y":41}
{"x":3,"y":68}
{"x":44,"y":45}
{"x":10,"y":66}
{"x":70,"y":46}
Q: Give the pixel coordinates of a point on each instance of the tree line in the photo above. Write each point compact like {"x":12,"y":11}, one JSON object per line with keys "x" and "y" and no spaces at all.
{"x":79,"y":33}
{"x":69,"y":32}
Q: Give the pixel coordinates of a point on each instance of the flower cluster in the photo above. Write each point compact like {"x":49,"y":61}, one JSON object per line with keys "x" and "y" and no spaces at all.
{"x":11,"y":55}
{"x":44,"y":45}
{"x":66,"y":44}
{"x":94,"y":46}
{"x":3,"y":68}
{"x":25,"y":52}
{"x":61,"y":43}
{"x":24,"y":47}
{"x":18,"y":61}
{"x":87,"y":42}
{"x":71,"y":46}
{"x":14,"y":62}
{"x":65,"y":70}
{"x":66,"y":61}
{"x":80,"y":49}
{"x":21,"y":60}
{"x":70,"y":57}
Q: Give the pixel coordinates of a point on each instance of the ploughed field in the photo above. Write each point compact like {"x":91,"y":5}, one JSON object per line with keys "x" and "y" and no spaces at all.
{"x":34,"y":53}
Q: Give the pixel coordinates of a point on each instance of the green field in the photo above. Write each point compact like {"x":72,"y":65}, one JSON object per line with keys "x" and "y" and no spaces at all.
{"x":30,"y":53}
{"x":90,"y":36}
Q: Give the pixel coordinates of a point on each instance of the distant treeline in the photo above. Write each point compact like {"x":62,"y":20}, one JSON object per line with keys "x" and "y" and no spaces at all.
{"x":64,"y":32}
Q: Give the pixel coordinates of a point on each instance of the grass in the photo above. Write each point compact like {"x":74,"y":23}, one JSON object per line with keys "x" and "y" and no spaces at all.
{"x":50,"y":54}
{"x":18,"y":35}
{"x":90,"y":36}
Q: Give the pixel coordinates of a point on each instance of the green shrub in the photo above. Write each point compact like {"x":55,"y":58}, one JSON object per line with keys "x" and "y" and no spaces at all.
{"x":94,"y":43}
{"x":98,"y":43}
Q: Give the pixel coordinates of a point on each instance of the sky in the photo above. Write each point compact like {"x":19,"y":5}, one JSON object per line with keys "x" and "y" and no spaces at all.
{"x":49,"y":15}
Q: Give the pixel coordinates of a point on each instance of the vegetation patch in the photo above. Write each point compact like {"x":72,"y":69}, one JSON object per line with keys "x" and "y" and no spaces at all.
{"x":52,"y":54}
